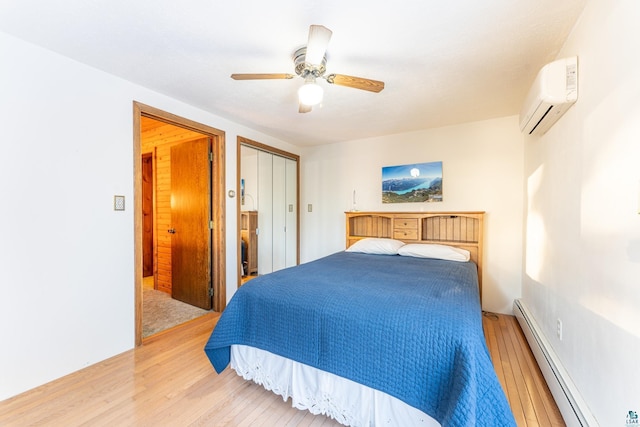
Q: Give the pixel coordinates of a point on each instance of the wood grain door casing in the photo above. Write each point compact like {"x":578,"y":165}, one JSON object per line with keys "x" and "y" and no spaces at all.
{"x":190,"y":223}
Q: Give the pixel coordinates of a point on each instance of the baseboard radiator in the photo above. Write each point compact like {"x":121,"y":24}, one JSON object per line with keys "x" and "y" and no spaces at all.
{"x":571,"y":405}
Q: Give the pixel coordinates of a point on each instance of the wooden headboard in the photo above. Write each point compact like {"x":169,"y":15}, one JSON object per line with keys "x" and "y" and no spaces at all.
{"x":459,"y":229}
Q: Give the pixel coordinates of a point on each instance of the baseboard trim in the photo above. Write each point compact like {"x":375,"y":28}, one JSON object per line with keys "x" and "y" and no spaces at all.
{"x":571,"y":405}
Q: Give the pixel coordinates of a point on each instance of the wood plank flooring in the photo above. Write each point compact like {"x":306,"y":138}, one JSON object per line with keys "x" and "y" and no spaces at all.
{"x":170,"y":382}
{"x":525,"y":387}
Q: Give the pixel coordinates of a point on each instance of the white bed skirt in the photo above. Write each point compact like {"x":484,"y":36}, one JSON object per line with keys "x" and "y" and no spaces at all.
{"x":320,"y":392}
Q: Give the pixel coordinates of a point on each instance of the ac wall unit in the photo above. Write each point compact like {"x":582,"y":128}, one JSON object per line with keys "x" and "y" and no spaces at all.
{"x":553,"y":92}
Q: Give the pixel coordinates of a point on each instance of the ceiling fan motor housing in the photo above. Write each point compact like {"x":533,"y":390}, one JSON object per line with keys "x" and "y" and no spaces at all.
{"x":304,"y":69}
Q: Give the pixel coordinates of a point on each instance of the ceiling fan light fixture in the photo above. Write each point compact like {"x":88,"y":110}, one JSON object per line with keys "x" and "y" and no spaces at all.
{"x":310,"y":63}
{"x":310,"y":93}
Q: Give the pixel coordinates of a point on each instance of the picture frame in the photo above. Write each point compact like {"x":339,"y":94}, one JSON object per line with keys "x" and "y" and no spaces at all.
{"x":412,"y":183}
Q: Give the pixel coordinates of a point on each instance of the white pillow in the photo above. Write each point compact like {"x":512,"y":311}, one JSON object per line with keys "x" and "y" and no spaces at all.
{"x":378,"y":246}
{"x":428,"y":250}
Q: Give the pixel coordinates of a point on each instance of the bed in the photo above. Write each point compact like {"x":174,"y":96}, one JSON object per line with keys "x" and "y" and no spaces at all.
{"x":387,"y":332}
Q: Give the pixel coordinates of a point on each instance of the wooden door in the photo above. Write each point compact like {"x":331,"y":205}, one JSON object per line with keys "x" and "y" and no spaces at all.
{"x":190,"y":223}
{"x":147,"y":215}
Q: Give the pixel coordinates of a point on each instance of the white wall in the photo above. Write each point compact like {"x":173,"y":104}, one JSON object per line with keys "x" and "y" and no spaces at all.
{"x":482,"y":171}
{"x":583,"y":224}
{"x":66,"y":258}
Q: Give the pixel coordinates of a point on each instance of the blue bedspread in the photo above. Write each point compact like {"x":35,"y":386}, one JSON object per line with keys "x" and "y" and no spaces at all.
{"x":409,"y":327}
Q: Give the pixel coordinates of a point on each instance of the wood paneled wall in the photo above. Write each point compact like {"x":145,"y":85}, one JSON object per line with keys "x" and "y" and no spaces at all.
{"x":157,"y":138}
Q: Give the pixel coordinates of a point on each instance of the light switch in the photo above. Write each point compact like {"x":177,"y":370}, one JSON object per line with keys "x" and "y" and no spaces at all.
{"x":309,"y":207}
{"x":118,"y":203}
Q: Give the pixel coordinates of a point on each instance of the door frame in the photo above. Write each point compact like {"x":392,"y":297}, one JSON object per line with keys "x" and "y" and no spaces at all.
{"x":218,"y":205}
{"x":272,"y":150}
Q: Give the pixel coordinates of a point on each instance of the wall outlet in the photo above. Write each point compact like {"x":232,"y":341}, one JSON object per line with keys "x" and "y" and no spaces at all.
{"x":559,"y":329}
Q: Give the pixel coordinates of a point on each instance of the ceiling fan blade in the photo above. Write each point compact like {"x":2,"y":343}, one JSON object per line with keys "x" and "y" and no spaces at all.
{"x":261,"y":76}
{"x":355,"y":82}
{"x":302,"y":108}
{"x":319,"y":37}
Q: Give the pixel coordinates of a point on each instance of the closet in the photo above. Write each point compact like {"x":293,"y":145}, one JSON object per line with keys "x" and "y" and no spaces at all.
{"x":269,"y":191}
{"x":249,"y":236}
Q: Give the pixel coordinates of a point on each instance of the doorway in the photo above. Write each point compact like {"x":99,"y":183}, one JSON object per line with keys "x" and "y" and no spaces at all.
{"x":174,"y":128}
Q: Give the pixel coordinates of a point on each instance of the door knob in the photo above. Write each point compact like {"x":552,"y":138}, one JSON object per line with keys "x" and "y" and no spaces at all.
{"x":171,"y":230}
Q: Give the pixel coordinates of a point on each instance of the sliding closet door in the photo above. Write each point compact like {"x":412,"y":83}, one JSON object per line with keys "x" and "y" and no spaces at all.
{"x":270,"y":183}
{"x":291,"y":214}
{"x":265,"y":212}
{"x":279,"y":209}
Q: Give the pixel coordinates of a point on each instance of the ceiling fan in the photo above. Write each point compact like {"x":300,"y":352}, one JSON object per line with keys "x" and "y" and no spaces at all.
{"x":310,"y":63}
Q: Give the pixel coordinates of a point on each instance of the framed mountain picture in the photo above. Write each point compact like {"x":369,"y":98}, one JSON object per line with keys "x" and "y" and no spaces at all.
{"x":414,"y":183}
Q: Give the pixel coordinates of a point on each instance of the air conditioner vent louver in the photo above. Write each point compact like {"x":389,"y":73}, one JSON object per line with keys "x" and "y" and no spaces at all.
{"x":533,"y":129}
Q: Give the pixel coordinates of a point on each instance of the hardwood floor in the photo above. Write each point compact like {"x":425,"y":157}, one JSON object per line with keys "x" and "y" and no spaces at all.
{"x":169,"y":381}
{"x":529,"y":397}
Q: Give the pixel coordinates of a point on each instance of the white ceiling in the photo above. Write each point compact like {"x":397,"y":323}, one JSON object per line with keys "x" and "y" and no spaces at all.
{"x":443,"y":62}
